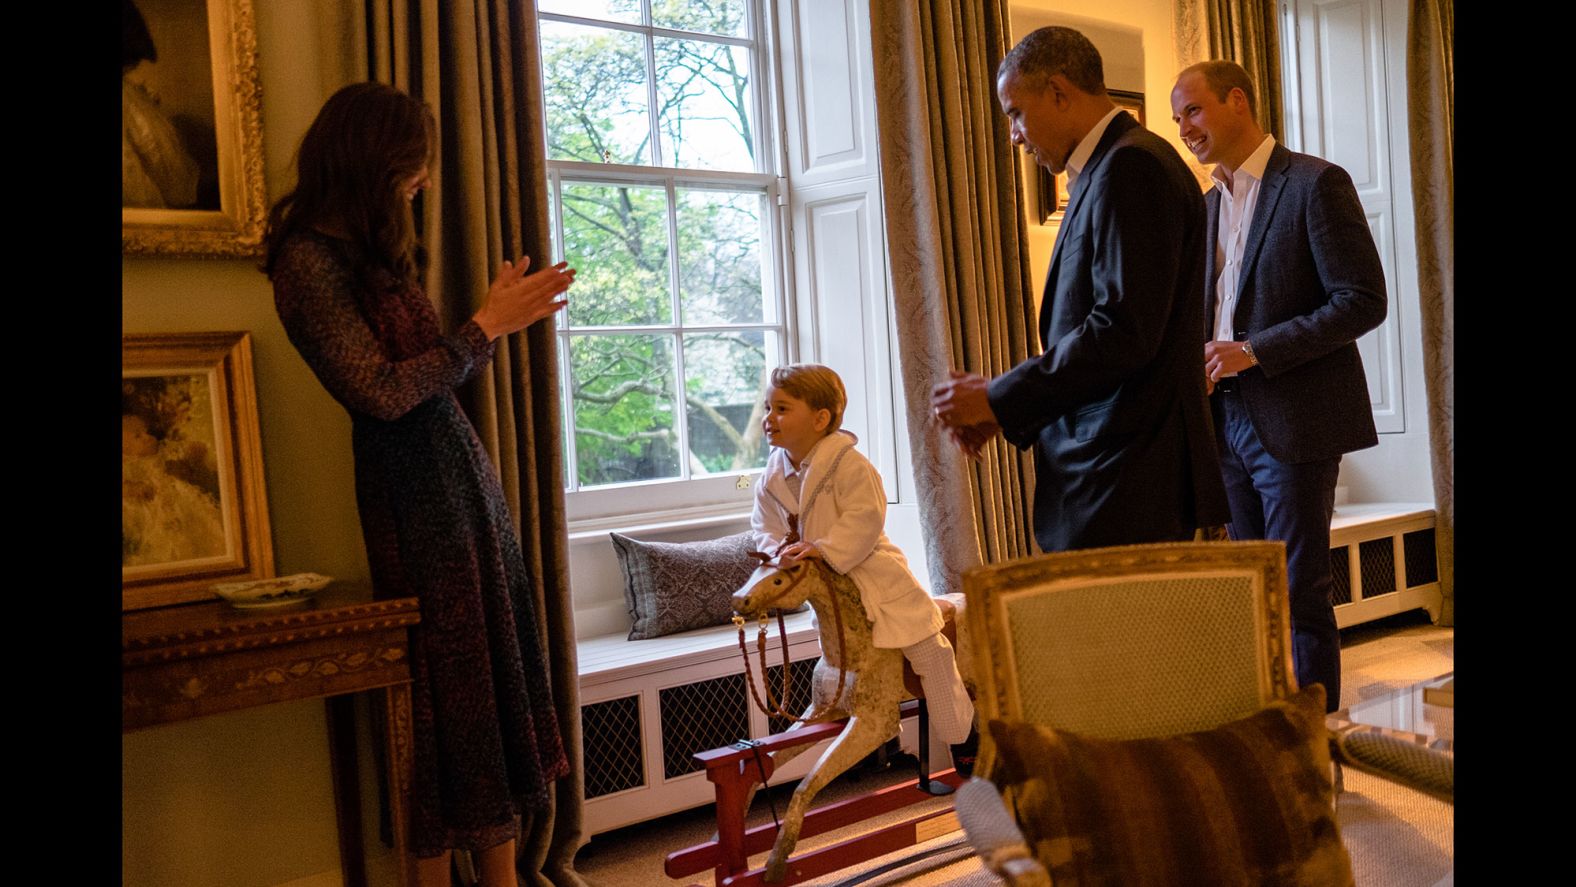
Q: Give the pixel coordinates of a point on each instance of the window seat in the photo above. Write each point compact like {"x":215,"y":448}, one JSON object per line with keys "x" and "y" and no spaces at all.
{"x":1384,"y":561}
{"x":613,"y":657}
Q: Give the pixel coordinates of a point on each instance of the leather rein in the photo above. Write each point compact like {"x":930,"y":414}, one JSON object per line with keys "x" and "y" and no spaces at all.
{"x":777,"y":706}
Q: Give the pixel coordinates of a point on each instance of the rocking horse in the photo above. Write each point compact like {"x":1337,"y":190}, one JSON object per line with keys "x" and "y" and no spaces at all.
{"x":854,"y":680}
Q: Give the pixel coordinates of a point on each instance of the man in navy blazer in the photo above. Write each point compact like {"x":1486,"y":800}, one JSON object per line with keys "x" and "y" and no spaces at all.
{"x":1115,"y":407}
{"x":1293,"y":280}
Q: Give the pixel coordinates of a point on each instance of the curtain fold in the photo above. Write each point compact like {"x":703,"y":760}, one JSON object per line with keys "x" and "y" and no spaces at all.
{"x":958,"y":245}
{"x":1241,"y":31}
{"x":476,"y":63}
{"x":1431,"y":100}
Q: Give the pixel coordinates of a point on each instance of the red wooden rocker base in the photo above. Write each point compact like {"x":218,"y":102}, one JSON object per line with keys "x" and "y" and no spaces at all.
{"x":733,"y":769}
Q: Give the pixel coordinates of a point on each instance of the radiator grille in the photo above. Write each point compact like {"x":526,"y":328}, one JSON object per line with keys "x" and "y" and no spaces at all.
{"x":611,"y":734}
{"x":1341,"y":573}
{"x":701,"y":716}
{"x":802,"y":684}
{"x":1376,"y":558}
{"x":1422,"y":564}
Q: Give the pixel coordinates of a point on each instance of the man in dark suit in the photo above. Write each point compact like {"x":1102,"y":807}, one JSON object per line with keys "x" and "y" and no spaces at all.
{"x":1115,"y":407}
{"x":1293,"y":279}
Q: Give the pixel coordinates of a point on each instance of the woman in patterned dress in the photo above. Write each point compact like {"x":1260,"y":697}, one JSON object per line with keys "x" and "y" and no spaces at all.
{"x":346,"y":269}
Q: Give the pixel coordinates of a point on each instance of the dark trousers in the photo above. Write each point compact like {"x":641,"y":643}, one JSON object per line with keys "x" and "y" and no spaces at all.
{"x":1292,"y":503}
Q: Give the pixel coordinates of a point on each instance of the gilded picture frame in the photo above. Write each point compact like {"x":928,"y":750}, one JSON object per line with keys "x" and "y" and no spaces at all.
{"x":194,"y":507}
{"x":191,"y":130}
{"x":1052,"y":190}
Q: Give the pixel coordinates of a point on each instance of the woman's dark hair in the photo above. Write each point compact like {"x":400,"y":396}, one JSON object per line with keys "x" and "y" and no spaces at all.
{"x":367,"y":139}
{"x":136,"y":44}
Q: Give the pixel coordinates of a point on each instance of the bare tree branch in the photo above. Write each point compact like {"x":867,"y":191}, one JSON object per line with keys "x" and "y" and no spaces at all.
{"x":660,"y":434}
{"x":619,"y":392}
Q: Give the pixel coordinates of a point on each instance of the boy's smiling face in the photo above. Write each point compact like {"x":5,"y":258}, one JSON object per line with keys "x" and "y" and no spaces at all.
{"x":790,"y":423}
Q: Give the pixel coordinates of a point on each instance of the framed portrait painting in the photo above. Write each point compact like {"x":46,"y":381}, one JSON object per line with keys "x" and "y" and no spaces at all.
{"x":1052,"y":190}
{"x":193,"y":507}
{"x":191,"y":144}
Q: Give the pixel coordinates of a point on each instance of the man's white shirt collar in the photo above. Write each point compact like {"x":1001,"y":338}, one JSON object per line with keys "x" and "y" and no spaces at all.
{"x":1080,"y":156}
{"x":1253,"y":166}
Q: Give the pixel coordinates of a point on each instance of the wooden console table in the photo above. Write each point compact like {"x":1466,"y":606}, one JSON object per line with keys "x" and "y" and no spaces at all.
{"x":193,"y":660}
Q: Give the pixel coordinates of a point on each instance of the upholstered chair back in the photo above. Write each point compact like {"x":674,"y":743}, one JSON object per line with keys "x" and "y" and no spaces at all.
{"x":1132,"y":641}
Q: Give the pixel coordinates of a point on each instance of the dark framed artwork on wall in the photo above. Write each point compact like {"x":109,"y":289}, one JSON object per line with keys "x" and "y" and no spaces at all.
{"x":1052,"y":190}
{"x":191,"y":144}
{"x":194,"y":510}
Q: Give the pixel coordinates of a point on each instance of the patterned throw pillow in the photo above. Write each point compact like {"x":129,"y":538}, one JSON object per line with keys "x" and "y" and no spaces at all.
{"x":676,"y":586}
{"x":1248,"y":803}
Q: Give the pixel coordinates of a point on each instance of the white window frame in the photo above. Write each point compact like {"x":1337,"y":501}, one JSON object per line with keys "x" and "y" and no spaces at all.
{"x":684,"y":496}
{"x":686,"y":502}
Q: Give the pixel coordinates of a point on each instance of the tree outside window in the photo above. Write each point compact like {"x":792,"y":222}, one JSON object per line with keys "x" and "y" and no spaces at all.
{"x":664,"y":202}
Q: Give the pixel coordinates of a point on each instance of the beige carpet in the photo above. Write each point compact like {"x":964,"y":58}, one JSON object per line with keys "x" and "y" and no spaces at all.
{"x":1396,"y":837}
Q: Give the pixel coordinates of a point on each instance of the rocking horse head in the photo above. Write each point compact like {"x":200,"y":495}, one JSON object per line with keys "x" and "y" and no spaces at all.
{"x":867,"y":688}
{"x":777,"y":586}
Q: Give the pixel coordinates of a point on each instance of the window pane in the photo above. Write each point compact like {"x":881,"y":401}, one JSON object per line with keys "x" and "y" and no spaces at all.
{"x":552,"y":227}
{"x":595,"y":88}
{"x":720,"y":270}
{"x":566,"y":424}
{"x":623,"y":405}
{"x":616,"y":238}
{"x":704,"y":96}
{"x":726,"y":17}
{"x":725,"y":376}
{"x":627,"y":11}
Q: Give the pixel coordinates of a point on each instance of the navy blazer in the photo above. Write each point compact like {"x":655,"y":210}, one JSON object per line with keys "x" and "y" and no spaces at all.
{"x":1310,"y":285}
{"x":1115,"y":406}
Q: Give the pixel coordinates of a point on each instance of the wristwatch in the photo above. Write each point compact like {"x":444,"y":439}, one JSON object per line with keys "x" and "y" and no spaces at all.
{"x":1247,"y":348}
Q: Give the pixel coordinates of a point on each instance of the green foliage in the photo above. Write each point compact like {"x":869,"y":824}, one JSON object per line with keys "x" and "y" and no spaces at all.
{"x":593,"y":82}
{"x":623,"y":408}
{"x":617,"y":237}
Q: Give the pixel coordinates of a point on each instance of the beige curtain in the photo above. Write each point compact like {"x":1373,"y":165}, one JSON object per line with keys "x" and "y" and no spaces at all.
{"x":1431,"y":104}
{"x":475,"y":62}
{"x":958,"y":245}
{"x":1241,"y":31}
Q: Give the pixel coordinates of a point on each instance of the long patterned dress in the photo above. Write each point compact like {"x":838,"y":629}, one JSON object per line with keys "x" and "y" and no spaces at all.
{"x":436,"y":526}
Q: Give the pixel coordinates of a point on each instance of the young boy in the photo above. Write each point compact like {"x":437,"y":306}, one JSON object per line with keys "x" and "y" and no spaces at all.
{"x":819,"y":497}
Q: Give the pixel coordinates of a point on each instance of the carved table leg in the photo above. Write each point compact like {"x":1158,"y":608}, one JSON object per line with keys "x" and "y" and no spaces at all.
{"x":347,"y":787}
{"x":401,"y":763}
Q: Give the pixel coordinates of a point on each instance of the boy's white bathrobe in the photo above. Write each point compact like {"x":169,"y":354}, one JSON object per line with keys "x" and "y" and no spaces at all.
{"x":847,"y":523}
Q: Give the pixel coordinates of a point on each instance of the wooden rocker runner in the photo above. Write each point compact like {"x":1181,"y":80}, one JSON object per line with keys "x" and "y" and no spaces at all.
{"x":857,"y":689}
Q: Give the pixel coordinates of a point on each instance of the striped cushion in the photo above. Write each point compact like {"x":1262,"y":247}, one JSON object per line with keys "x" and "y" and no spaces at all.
{"x":1249,"y":802}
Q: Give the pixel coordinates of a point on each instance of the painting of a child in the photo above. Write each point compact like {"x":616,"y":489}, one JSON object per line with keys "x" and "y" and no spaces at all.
{"x":170,"y":485}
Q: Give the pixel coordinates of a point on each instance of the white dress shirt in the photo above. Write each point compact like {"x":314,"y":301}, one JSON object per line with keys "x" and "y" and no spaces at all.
{"x":1080,"y":156}
{"x":1238,"y":199}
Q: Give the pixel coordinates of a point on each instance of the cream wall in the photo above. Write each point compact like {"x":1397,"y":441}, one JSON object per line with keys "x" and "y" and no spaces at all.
{"x":244,"y":798}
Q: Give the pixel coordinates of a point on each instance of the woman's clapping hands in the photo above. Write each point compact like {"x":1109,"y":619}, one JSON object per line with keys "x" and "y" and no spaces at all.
{"x":516,"y":300}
